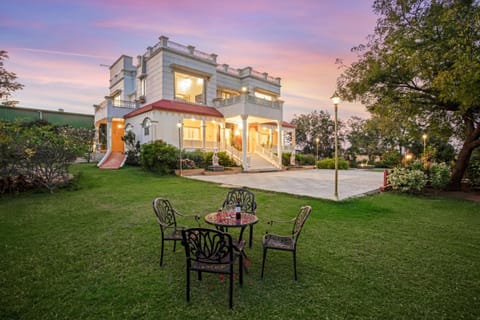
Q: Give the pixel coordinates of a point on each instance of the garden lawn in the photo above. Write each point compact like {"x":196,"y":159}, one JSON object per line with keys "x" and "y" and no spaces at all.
{"x":93,"y":253}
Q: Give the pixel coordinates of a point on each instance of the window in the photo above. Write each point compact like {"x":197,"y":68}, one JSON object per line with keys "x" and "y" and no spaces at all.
{"x":189,"y":88}
{"x":143,"y":87}
{"x":117,"y":100}
{"x":263,"y":96}
{"x":128,"y":128}
{"x":191,"y":133}
{"x":147,"y":123}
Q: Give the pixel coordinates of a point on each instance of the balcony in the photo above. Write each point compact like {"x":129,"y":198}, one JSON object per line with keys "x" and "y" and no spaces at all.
{"x":113,"y":108}
{"x":249,"y":105}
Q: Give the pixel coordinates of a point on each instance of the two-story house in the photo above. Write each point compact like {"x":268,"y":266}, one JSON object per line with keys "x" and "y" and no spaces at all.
{"x":182,"y":96}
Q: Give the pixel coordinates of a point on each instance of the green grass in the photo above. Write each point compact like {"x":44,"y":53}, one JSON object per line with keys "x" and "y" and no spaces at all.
{"x":93,"y":254}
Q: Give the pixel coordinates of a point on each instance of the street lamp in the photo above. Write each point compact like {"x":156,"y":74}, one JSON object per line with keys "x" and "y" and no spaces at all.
{"x":179,"y":126}
{"x":336,"y":101}
{"x":317,"y":140}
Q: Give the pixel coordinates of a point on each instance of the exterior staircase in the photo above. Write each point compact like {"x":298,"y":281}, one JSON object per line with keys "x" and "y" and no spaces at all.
{"x":114,"y":161}
{"x":258,"y":163}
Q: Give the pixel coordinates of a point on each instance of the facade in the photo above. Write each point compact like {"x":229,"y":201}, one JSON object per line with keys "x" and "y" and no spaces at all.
{"x":182,"y":96}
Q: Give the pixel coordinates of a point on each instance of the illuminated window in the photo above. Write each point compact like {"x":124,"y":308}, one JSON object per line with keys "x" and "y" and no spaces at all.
{"x":143,"y":87}
{"x":189,"y":88}
{"x":263,"y":96}
{"x":117,"y":100}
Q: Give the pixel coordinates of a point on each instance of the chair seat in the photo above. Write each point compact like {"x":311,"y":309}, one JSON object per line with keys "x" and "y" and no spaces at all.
{"x":175,"y":234}
{"x":275,"y":241}
{"x":213,"y":268}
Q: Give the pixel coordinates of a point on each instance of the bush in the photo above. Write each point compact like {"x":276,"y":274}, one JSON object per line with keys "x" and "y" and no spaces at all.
{"x":473,"y":172}
{"x":407,"y":180}
{"x":305,"y":159}
{"x":133,"y":149}
{"x":198,"y":157}
{"x":329,"y":163}
{"x":223,"y":159}
{"x":391,"y":159}
{"x":159,"y":157}
{"x":439,"y":175}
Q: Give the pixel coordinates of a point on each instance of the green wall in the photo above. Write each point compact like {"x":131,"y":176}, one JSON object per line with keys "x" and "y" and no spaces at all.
{"x":75,"y":120}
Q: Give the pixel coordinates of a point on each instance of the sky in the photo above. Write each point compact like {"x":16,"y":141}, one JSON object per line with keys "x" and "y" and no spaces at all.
{"x":59,"y":48}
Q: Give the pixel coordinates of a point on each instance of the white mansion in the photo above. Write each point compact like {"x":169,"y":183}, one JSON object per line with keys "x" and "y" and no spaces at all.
{"x":182,"y":96}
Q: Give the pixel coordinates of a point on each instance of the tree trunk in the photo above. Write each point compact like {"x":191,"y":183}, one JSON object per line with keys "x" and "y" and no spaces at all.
{"x":471,"y":142}
{"x":460,"y":167}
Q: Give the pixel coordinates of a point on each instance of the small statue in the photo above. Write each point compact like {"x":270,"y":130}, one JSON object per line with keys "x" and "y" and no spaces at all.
{"x":292,"y":157}
{"x":215,"y":159}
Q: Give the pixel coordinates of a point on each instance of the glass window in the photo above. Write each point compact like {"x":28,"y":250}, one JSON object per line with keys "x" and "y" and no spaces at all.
{"x":143,"y":87}
{"x":189,"y":88}
{"x":146,"y":126}
{"x":263,"y":96}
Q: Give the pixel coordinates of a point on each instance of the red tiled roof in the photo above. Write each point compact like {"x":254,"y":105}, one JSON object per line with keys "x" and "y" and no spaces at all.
{"x":176,"y":106}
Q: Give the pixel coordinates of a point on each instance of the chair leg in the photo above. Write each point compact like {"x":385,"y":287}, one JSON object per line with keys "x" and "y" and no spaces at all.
{"x":161,"y":252}
{"x":263,"y":260}
{"x":240,"y":272}
{"x":188,"y":284}
{"x":251,"y":237}
{"x":231,"y":289}
{"x":295,"y":264}
{"x":199,"y":275}
{"x":174,"y":245}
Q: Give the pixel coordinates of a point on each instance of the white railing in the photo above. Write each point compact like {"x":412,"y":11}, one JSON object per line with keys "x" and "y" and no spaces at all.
{"x":268,"y":155}
{"x":250,"y":99}
{"x":165,"y":43}
{"x":124,"y":104}
{"x":234,"y":153}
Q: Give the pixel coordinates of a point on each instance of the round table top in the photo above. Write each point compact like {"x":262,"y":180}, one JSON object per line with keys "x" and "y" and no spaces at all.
{"x":224,"y":219}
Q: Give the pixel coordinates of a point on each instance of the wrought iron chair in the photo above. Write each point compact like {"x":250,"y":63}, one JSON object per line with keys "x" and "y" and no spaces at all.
{"x":286,"y":242}
{"x":210,"y":250}
{"x":246,"y":198}
{"x":166,"y":218}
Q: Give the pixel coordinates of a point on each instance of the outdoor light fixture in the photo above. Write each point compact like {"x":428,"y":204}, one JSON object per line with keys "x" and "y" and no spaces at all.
{"x":424,"y":137}
{"x":317,"y":140}
{"x":179,"y":126}
{"x":336,"y":101}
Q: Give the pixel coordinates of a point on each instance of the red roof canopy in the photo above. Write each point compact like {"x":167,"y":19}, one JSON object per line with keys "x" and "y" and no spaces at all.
{"x":176,"y":106}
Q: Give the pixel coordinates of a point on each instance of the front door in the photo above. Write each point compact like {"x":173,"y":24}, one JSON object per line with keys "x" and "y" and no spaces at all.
{"x":117,"y":135}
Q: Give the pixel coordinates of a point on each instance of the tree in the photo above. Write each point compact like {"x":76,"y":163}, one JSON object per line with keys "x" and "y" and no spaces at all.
{"x":8,"y":83}
{"x":364,"y":137}
{"x":316,"y":124}
{"x":423,"y":62}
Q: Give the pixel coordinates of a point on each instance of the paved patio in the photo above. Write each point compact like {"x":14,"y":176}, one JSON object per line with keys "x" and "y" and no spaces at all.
{"x":316,"y":183}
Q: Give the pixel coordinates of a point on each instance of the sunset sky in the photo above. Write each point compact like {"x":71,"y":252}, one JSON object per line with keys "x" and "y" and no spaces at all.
{"x":57,"y":47}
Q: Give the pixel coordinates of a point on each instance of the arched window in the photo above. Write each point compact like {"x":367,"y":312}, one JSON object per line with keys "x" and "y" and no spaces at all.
{"x":147,"y":123}
{"x":128,"y":127}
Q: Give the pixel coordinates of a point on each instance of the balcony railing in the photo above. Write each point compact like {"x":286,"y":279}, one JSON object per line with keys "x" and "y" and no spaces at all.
{"x":248,"y":71}
{"x":190,"y":50}
{"x":124,"y":104}
{"x":249,"y":99}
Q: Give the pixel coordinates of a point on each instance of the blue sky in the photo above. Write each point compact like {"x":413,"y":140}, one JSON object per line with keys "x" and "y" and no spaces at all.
{"x":56,"y":47}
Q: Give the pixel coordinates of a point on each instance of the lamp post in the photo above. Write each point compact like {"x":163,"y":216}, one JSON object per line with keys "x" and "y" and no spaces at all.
{"x":424,"y":137}
{"x":336,"y":101}
{"x":317,"y":140}
{"x":179,"y":126}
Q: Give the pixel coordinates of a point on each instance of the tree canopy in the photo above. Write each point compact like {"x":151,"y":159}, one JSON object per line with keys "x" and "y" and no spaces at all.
{"x":421,"y":67}
{"x":8,"y":83}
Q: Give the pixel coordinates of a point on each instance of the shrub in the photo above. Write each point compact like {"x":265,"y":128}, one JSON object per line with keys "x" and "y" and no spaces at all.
{"x":159,"y":157}
{"x":223,"y":159}
{"x":305,"y":159}
{"x":407,"y":180}
{"x":198,"y":157}
{"x":439,"y":175}
{"x":329,"y":163}
{"x":473,"y":171}
{"x":133,"y":149}
{"x":391,"y":159}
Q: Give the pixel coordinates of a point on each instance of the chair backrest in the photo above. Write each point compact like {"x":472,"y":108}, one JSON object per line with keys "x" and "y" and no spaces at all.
{"x":302,"y":216}
{"x":208,"y":246}
{"x":164,"y":212}
{"x":244,"y":196}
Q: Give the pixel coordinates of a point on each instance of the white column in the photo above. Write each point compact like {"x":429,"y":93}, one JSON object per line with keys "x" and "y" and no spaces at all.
{"x":109,"y":134}
{"x":279,"y":143}
{"x":204,"y":133}
{"x":244,"y":141}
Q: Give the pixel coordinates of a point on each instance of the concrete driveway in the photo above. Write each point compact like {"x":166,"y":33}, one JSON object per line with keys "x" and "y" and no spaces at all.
{"x":316,"y":183}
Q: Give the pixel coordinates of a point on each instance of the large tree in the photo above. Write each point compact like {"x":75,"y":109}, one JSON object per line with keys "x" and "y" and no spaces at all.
{"x":316,"y":124}
{"x":423,"y":62}
{"x":8,"y":83}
